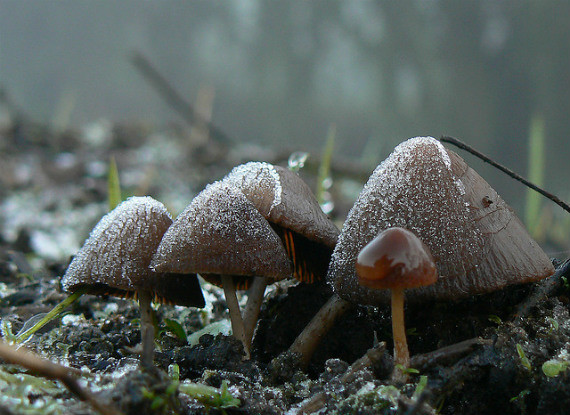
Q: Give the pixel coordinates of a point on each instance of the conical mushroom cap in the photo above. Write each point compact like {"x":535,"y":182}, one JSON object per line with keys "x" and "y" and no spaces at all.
{"x":284,"y":199}
{"x":292,"y":210}
{"x":222,"y":233}
{"x":115,"y":258}
{"x":478,"y":243}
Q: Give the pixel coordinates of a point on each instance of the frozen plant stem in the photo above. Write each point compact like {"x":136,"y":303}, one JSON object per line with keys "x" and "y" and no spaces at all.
{"x":147,"y":329}
{"x":306,"y":343}
{"x":51,"y":370}
{"x":235,"y":313}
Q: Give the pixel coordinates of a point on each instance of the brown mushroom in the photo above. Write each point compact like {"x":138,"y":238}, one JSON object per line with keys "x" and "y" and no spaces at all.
{"x":396,"y":260}
{"x":288,"y":204}
{"x":223,"y":237}
{"x":478,"y":243}
{"x":115,"y":260}
{"x":293,"y":212}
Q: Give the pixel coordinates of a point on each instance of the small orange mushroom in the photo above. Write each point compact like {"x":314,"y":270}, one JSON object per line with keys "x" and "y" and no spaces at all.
{"x":396,"y":260}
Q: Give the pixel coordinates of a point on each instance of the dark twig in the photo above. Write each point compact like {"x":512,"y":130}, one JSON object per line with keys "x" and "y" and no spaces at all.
{"x":463,"y":146}
{"x":449,"y":353}
{"x":52,"y":370}
{"x":174,"y":99}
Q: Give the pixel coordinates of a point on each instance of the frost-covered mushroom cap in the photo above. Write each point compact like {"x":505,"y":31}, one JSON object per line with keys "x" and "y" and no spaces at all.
{"x":222,"y":233}
{"x":284,"y":199}
{"x":115,"y":258}
{"x":478,"y":243}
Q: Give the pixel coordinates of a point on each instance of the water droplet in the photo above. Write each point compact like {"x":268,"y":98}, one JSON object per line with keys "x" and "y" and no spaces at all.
{"x":297,"y":160}
{"x":327,"y":205}
{"x":327,"y":182}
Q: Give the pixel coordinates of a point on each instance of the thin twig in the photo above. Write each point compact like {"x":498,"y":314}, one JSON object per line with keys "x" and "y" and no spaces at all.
{"x":55,"y":371}
{"x":463,"y":146}
{"x":173,"y":98}
{"x":452,"y":352}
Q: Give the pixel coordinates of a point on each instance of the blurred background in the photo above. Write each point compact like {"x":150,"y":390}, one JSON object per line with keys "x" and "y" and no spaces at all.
{"x":279,"y":74}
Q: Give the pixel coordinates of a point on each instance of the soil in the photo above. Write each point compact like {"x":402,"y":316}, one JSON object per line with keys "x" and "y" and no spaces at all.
{"x":507,"y":352}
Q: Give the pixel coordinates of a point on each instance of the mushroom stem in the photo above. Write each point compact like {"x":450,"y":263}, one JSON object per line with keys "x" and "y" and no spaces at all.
{"x":253,"y":306}
{"x":401,"y":353}
{"x":235,"y":313}
{"x":306,"y":343}
{"x":147,"y":329}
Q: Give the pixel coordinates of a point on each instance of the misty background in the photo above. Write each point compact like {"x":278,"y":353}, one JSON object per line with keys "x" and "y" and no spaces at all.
{"x":280,"y":73}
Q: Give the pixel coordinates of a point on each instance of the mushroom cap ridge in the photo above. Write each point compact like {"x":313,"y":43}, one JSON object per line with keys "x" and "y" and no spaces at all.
{"x":478,"y":243}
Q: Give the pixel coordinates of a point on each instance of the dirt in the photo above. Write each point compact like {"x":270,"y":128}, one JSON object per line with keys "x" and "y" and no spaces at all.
{"x":509,"y":334}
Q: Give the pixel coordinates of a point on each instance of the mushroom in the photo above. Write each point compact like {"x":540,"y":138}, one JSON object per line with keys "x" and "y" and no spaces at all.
{"x":115,"y":261}
{"x":259,"y":223}
{"x":396,"y":260}
{"x":223,"y":237}
{"x":294,"y":213}
{"x":477,"y":242}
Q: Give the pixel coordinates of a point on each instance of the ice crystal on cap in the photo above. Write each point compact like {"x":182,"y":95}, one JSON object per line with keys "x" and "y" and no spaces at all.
{"x":221,"y":232}
{"x":478,"y":243}
{"x":115,"y":258}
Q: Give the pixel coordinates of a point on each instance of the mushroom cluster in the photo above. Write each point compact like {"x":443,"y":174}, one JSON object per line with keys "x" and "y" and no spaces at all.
{"x":425,"y":221}
{"x":260,"y":223}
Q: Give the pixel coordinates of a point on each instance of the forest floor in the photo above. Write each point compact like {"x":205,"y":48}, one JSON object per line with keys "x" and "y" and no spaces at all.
{"x":505,"y":352}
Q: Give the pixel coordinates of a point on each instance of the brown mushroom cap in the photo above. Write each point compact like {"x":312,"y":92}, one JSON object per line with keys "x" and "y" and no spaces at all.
{"x":222,"y":233}
{"x":288,"y":204}
{"x":478,"y":243}
{"x":115,"y":258}
{"x":284,"y":199}
{"x":396,"y":258}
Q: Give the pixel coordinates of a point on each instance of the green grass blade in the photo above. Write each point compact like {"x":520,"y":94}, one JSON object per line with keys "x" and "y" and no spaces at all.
{"x":113,"y":185}
{"x":536,"y":145}
{"x":54,"y":313}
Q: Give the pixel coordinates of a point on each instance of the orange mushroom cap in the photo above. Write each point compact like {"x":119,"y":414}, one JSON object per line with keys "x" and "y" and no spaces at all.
{"x":396,"y":258}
